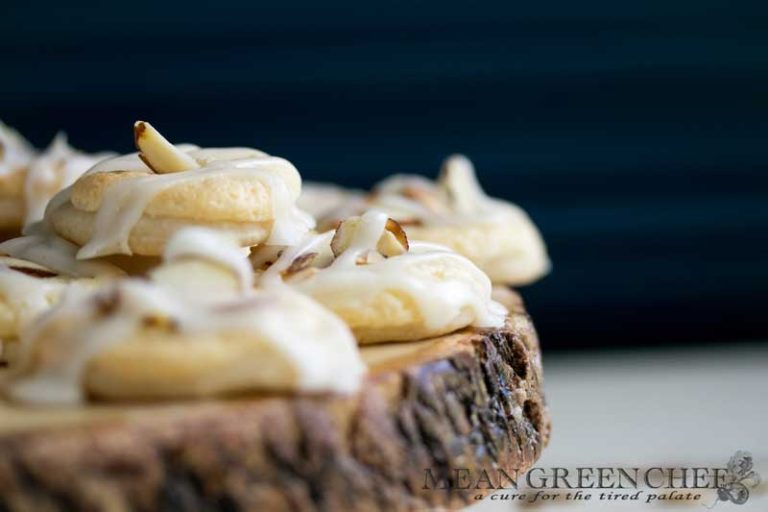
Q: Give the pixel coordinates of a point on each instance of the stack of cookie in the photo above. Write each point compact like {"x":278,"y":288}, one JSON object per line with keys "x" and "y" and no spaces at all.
{"x":179,"y":273}
{"x":159,"y":235}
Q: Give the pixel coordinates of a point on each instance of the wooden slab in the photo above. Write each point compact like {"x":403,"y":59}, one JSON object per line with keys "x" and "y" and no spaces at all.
{"x":470,"y":400}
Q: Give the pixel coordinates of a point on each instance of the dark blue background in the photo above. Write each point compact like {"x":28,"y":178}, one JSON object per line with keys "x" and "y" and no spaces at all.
{"x":635,"y":135}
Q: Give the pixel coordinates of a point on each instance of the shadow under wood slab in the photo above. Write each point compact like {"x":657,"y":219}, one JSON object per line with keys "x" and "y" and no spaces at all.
{"x":469,"y":400}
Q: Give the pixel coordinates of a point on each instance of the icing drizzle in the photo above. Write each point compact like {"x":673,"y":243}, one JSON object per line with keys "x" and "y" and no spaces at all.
{"x":40,"y":245}
{"x":213,"y":246}
{"x":316,"y":342}
{"x":165,"y":166}
{"x":354,"y":275}
{"x":124,"y":203}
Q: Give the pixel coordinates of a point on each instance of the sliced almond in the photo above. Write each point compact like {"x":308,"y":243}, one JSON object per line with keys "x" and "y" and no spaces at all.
{"x":393,"y":241}
{"x":345,"y":232}
{"x":301,"y":275}
{"x":27,"y":267}
{"x":197,"y":278}
{"x":265,"y":256}
{"x":160,"y":155}
{"x":300,"y":263}
{"x":329,"y":224}
{"x":411,"y":222}
{"x":35,"y":272}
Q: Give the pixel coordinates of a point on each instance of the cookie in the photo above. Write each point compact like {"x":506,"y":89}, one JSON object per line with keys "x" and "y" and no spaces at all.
{"x":16,"y":154}
{"x":454,"y":211}
{"x":385,"y":287}
{"x":51,"y":171}
{"x":28,"y":179}
{"x":134,"y":203}
{"x":195,"y":328}
{"x":27,"y":291}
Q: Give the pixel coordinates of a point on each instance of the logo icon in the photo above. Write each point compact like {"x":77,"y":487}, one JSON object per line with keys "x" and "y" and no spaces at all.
{"x":739,"y":478}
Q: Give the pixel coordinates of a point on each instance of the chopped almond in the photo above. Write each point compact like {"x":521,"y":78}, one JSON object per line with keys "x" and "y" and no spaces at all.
{"x":393,"y":240}
{"x":344,"y":234}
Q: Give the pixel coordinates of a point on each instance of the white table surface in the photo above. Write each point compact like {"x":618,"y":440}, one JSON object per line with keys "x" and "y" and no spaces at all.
{"x":692,"y":407}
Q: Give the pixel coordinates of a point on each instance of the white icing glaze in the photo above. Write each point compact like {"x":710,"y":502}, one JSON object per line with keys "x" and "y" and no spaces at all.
{"x":318,"y":243}
{"x":15,"y":152}
{"x":213,"y":246}
{"x":27,"y":296}
{"x":54,"y":169}
{"x":315,"y":341}
{"x":464,"y":287}
{"x":45,"y":248}
{"x":124,"y":202}
{"x":59,"y":379}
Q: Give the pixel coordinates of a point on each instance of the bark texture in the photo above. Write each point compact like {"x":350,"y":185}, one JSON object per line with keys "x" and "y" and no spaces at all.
{"x":458,"y":405}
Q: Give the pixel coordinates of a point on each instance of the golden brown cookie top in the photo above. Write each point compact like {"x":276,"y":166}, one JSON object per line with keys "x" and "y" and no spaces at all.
{"x":184,"y":183}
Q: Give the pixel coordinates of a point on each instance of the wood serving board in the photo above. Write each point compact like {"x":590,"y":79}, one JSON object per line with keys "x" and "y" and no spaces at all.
{"x":471,"y":400}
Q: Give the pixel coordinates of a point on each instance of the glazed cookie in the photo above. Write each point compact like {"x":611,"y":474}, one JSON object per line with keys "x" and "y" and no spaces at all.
{"x":28,"y":180}
{"x":385,"y":287}
{"x":54,"y":169}
{"x":133,"y":204}
{"x":454,"y":211}
{"x":16,"y":154}
{"x":170,"y":337}
{"x":27,"y":290}
{"x":42,"y":247}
